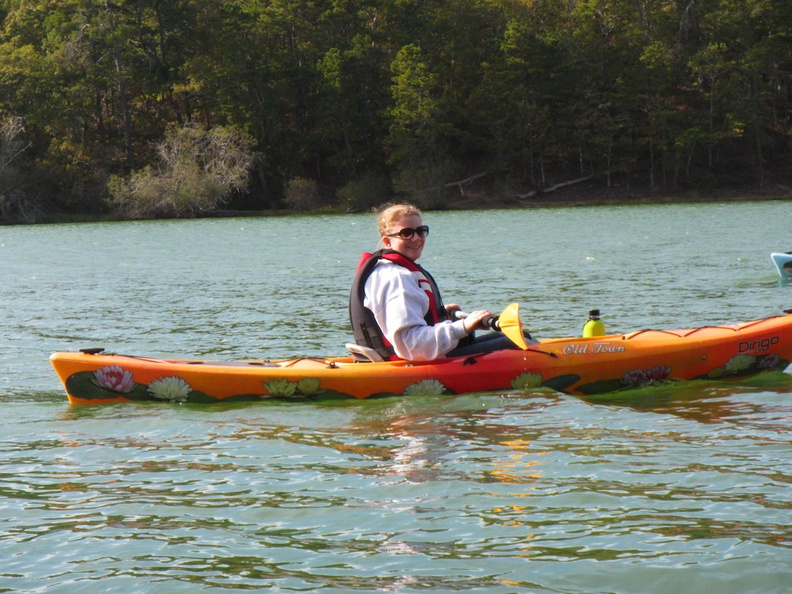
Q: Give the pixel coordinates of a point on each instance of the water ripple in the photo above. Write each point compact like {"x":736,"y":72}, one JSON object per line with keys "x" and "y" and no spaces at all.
{"x":669,"y":489}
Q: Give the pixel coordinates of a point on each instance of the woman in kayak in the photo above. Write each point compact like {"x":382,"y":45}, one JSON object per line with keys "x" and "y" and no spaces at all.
{"x":395,"y":305}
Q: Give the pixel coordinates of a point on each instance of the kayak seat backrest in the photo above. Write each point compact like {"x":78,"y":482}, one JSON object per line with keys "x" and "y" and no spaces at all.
{"x":363,"y":354}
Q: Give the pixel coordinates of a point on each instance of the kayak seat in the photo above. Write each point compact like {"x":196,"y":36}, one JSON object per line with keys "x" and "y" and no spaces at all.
{"x":363,"y":354}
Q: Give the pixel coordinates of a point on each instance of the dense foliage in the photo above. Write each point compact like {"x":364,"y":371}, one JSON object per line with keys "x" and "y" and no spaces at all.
{"x":407,"y":96}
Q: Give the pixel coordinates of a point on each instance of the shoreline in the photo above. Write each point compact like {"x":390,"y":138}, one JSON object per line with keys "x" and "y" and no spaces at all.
{"x":478,"y":200}
{"x":619,"y":196}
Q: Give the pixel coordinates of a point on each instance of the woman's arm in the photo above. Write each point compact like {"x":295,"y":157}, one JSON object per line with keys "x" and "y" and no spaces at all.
{"x":399,"y":306}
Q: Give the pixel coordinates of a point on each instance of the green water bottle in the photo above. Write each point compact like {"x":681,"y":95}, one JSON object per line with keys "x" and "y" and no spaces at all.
{"x":593,"y":326}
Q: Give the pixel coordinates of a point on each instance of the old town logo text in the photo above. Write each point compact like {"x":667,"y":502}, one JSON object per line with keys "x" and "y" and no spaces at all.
{"x":593,"y":348}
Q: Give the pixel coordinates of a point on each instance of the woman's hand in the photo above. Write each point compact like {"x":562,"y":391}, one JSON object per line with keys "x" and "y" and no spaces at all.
{"x":478,"y":320}
{"x":452,"y":309}
{"x":475,"y":321}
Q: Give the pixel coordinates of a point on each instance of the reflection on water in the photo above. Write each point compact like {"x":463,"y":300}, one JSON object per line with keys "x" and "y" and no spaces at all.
{"x":432,"y":492}
{"x":666,"y":489}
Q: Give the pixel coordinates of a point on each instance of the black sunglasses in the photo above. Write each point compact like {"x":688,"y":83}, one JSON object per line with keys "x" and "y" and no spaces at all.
{"x":408,"y":232}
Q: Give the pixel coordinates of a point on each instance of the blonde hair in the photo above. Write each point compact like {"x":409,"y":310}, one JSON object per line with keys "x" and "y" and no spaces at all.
{"x":392,"y":212}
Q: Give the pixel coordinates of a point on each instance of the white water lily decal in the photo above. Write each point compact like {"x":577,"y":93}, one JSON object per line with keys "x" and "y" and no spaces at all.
{"x":527,"y":381}
{"x":279,"y":387}
{"x":173,"y":388}
{"x":114,"y":378}
{"x":740,"y":363}
{"x":427,"y":387}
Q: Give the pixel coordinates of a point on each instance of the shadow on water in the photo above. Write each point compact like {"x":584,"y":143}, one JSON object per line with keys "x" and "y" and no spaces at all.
{"x":702,"y":401}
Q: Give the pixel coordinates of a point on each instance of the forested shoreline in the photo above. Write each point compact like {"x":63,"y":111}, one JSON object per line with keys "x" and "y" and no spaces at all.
{"x":154,"y":108}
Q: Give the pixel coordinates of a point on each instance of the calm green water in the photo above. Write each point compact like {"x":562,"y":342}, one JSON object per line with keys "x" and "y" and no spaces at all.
{"x":675,"y":490}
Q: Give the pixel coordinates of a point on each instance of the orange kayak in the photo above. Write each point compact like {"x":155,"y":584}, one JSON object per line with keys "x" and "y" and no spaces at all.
{"x":582,"y":366}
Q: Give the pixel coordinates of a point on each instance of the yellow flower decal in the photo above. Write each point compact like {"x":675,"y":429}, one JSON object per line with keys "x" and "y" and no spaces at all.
{"x":309,"y":386}
{"x":427,"y":387}
{"x":716,"y":373}
{"x":279,"y":387}
{"x":283,"y":388}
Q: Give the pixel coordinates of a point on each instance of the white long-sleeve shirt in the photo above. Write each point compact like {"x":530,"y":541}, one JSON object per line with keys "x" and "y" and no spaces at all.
{"x":399,"y":306}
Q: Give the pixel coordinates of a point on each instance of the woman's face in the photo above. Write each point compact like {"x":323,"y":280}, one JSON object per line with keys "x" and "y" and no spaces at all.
{"x":410,"y":248}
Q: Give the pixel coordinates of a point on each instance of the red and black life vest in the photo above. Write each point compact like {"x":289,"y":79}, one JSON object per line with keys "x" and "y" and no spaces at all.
{"x":364,"y":326}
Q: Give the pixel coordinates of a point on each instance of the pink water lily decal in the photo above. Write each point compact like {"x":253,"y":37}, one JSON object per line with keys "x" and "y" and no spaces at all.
{"x":646,"y":377}
{"x":769,"y":362}
{"x":114,"y":378}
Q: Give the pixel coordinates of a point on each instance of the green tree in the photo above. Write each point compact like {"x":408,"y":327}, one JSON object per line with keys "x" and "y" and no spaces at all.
{"x":17,"y":204}
{"x":198,"y":172}
{"x":417,"y":92}
{"x":421,"y":159}
{"x":95,"y":74}
{"x":350,"y":118}
{"x":517,"y":99}
{"x":742,"y":71}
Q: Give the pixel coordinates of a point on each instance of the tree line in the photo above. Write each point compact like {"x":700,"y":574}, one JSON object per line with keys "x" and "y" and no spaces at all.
{"x":176,"y":107}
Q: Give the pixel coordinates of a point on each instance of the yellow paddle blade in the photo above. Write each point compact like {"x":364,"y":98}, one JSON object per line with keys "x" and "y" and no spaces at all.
{"x":510,"y":324}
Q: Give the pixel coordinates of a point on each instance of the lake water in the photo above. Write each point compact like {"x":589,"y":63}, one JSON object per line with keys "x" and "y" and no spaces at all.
{"x":674,"y":490}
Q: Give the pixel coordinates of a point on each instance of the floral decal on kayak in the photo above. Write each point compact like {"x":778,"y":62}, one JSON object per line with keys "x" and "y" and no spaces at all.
{"x":114,"y":378}
{"x":115,"y":382}
{"x":527,"y":381}
{"x":640,"y":378}
{"x":173,"y":389}
{"x":747,"y":365}
{"x":283,"y":388}
{"x":736,"y":367}
{"x":427,"y":387}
